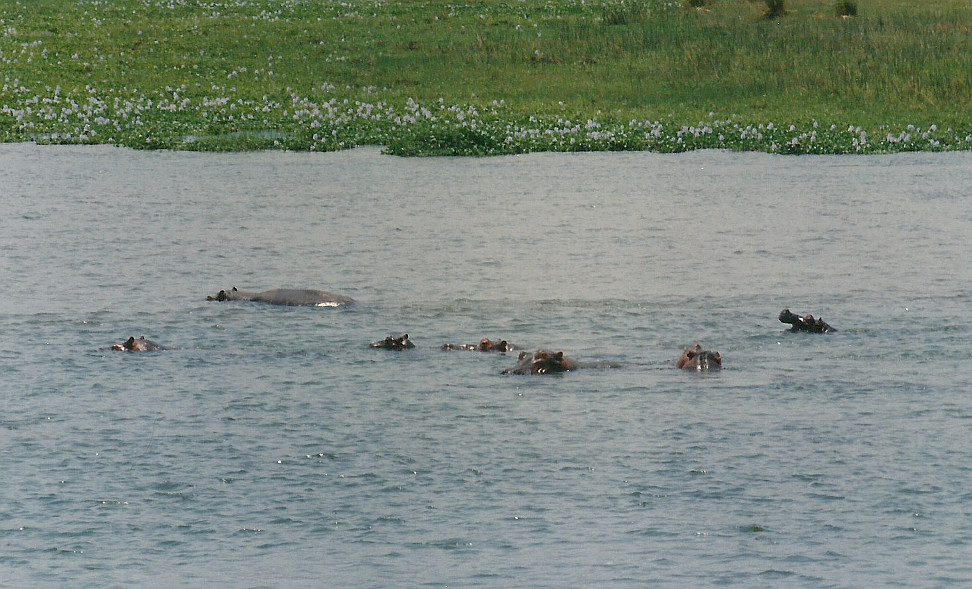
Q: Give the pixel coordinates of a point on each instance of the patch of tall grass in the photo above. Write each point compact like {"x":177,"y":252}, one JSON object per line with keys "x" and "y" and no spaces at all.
{"x":440,"y":76}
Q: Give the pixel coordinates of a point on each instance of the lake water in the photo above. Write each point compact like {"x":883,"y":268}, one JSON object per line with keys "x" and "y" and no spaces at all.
{"x":271,"y":447}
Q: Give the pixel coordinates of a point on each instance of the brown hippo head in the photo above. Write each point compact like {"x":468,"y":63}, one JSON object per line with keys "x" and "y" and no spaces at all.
{"x":488,"y":345}
{"x":542,"y":362}
{"x":696,"y":358}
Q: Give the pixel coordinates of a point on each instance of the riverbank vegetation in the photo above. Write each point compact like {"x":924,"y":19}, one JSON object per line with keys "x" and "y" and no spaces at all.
{"x":476,"y":77}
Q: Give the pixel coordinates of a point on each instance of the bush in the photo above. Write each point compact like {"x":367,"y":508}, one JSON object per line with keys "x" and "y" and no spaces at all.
{"x":846,"y":8}
{"x":774,"y":9}
{"x":697,"y":3}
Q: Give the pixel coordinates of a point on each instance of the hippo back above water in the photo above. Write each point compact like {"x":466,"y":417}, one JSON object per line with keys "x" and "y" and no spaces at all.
{"x":285,"y":296}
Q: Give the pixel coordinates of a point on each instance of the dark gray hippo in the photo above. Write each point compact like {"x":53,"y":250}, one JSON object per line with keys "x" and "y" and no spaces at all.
{"x":285,"y":296}
{"x":137,"y":345}
{"x":394,"y":343}
{"x":543,"y":362}
{"x":807,"y":324}
{"x":696,"y":358}
{"x":484,"y":345}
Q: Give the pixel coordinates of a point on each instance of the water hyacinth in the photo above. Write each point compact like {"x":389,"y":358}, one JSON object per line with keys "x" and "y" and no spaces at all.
{"x":57,"y":90}
{"x":169,"y":118}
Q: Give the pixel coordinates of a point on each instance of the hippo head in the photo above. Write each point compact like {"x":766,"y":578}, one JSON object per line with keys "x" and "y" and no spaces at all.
{"x":220,"y":296}
{"x":807,"y":323}
{"x":545,"y":362}
{"x":541,"y":362}
{"x":696,"y":358}
{"x":394,"y":343}
{"x":488,"y":345}
{"x":788,"y":317}
{"x":126,"y":346}
{"x":137,"y":345}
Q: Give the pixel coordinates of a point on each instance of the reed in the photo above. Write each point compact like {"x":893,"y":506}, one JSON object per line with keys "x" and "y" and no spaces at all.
{"x":437,"y":76}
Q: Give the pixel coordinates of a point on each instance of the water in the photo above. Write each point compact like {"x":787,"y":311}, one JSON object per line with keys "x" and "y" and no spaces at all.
{"x":270,"y":447}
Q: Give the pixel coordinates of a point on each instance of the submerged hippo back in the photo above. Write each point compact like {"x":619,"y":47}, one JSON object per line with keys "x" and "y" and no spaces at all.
{"x":286,"y":296}
{"x":301,"y":297}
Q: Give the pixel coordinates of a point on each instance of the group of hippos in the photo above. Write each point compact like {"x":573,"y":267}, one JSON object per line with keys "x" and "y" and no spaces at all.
{"x":539,"y":362}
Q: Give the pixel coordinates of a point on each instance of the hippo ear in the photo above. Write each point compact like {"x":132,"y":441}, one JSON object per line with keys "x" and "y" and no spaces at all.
{"x":559,"y":355}
{"x":234,"y":289}
{"x":521,"y":356}
{"x":405,"y":336}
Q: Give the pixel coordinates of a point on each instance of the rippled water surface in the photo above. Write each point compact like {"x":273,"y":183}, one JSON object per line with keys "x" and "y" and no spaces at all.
{"x":270,"y":447}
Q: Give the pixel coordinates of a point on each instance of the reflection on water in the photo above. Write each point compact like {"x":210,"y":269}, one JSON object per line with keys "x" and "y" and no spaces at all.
{"x":272,"y":443}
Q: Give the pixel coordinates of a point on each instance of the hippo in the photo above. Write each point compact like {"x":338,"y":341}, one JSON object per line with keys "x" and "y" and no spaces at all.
{"x":137,"y":345}
{"x":484,"y":345}
{"x":696,"y":358}
{"x":808,"y":323}
{"x":285,"y":296}
{"x":543,"y":362}
{"x":394,"y":343}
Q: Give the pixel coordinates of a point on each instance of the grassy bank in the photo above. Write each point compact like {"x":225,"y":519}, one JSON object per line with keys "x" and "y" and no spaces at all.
{"x":487,"y":77}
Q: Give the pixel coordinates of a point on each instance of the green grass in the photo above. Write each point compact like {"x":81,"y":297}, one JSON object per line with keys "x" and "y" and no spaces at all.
{"x":487,"y":77}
